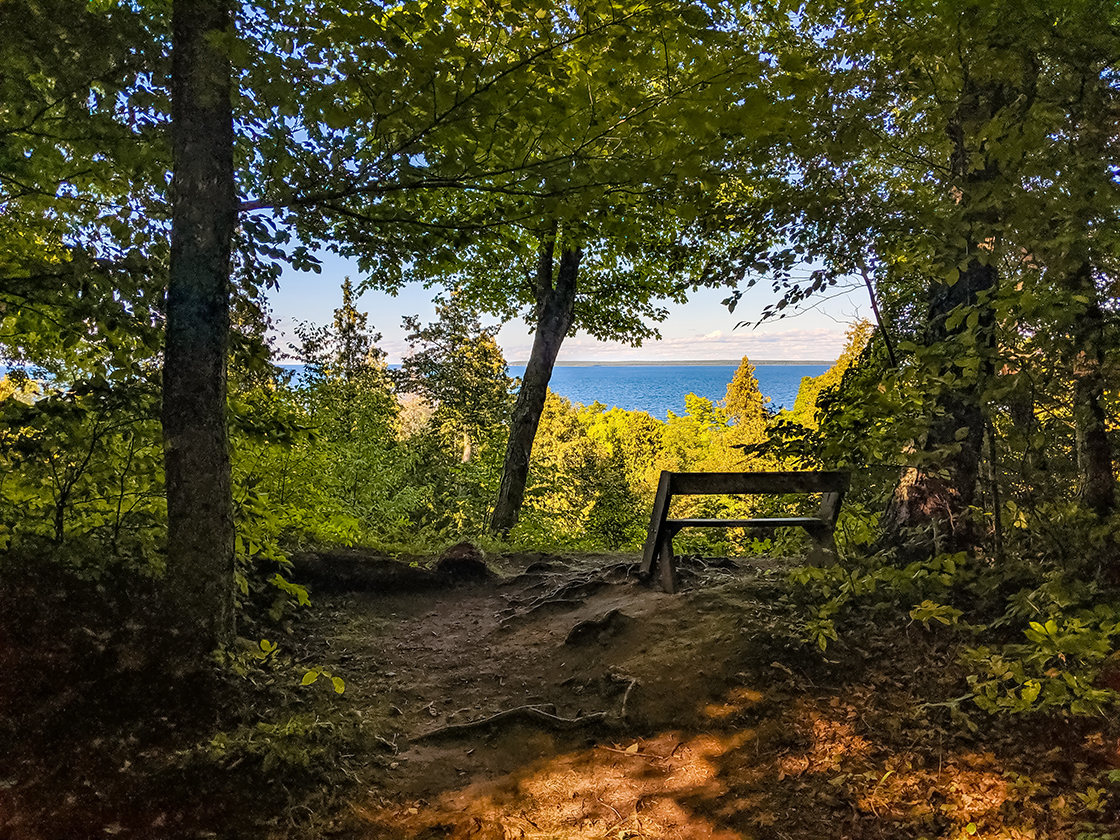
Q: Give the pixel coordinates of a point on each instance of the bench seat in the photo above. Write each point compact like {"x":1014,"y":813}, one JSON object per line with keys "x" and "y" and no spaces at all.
{"x":659,"y":541}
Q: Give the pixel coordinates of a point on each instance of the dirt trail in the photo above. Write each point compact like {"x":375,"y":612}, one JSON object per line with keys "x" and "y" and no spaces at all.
{"x":610,"y":700}
{"x":559,"y":698}
{"x":566,"y":699}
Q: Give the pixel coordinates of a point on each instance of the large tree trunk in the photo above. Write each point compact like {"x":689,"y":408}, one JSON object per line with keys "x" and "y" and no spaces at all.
{"x":961,"y":406}
{"x":1096,"y":482}
{"x":199,"y":582}
{"x":1093,"y":147}
{"x":940,"y":499}
{"x":556,"y":298}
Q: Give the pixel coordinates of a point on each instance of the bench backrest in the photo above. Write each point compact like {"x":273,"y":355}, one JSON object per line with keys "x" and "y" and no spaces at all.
{"x":833,"y":484}
{"x":694,"y":484}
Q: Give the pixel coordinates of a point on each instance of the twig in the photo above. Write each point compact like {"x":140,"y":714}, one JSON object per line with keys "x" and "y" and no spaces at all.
{"x":625,"y":697}
{"x":533,"y":713}
{"x":621,"y":819}
{"x":390,"y":744}
{"x":647,"y":756}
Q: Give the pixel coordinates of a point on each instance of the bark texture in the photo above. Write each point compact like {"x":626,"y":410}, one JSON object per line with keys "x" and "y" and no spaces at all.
{"x":940,"y":499}
{"x":1096,"y":484}
{"x":962,"y":407}
{"x":556,"y":299}
{"x":199,"y":581}
{"x":1093,"y":142}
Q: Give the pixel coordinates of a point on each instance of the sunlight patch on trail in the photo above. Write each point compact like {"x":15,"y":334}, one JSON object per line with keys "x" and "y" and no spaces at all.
{"x":655,"y":791}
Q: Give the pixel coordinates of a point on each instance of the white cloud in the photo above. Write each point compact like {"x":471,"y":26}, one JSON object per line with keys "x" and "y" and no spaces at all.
{"x":816,"y":344}
{"x":692,"y":331}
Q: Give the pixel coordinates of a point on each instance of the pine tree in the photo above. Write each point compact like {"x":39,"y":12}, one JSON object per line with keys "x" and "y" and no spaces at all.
{"x":746,"y":406}
{"x":456,"y":365}
{"x":354,"y":349}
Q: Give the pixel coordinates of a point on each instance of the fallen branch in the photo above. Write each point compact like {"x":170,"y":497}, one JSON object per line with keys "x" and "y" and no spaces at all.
{"x":535,"y":714}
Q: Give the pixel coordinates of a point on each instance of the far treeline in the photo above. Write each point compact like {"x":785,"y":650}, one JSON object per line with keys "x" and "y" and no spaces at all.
{"x":578,"y":166}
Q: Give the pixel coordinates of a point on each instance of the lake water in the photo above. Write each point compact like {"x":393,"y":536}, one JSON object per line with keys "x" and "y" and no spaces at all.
{"x":661,"y":389}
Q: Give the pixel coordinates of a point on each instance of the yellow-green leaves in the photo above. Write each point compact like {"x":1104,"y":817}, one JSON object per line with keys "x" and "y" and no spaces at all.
{"x":313,"y":675}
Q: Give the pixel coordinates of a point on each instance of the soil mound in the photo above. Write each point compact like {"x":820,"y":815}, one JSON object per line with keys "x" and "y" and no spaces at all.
{"x":463,"y":563}
{"x":357,"y":570}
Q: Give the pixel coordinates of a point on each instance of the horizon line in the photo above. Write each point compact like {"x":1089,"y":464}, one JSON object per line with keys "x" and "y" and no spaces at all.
{"x":677,"y":362}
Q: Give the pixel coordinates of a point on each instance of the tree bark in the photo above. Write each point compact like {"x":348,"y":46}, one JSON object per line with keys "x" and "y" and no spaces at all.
{"x":199,"y":582}
{"x":556,"y":300}
{"x":941,"y":499}
{"x":1096,"y":482}
{"x":962,"y":408}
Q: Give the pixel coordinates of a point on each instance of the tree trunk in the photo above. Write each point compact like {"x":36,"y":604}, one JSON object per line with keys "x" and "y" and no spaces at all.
{"x":1096,"y":482}
{"x":555,"y":308}
{"x":962,"y":406}
{"x":940,"y":499}
{"x":199,"y":583}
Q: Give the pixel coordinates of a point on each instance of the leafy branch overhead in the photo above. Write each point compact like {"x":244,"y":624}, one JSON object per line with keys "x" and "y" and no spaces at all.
{"x":166,"y":489}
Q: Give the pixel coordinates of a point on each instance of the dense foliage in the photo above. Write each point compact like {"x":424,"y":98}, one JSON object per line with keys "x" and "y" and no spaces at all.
{"x":578,"y":166}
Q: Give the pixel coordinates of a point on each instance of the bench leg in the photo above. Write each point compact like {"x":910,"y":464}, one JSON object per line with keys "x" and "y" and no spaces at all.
{"x":823,"y":552}
{"x":666,"y":565}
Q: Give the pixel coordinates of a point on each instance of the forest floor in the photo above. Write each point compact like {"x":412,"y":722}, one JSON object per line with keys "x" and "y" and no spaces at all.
{"x":560,"y":697}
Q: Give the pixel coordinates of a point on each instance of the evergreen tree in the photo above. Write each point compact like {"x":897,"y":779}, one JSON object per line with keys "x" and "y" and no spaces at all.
{"x":355,"y":350}
{"x":456,"y":365}
{"x":347,"y":379}
{"x":746,"y":406}
{"x":349,"y":406}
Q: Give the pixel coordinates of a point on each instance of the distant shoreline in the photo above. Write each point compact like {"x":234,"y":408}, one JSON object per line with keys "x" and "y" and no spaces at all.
{"x":688,"y":363}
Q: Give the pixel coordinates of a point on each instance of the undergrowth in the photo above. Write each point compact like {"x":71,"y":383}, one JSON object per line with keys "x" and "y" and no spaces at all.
{"x":1035,"y":636}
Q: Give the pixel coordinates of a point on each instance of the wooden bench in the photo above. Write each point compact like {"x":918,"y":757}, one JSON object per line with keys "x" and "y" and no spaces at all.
{"x":659,"y":541}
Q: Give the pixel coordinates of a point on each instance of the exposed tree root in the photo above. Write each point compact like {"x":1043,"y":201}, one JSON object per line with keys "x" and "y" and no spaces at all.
{"x":593,"y":627}
{"x":566,"y":603}
{"x":578,"y":589}
{"x":535,"y":714}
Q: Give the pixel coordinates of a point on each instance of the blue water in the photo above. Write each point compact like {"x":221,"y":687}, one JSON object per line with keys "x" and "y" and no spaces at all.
{"x":660,"y":390}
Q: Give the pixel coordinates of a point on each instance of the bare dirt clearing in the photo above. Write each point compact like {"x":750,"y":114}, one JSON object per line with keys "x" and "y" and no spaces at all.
{"x":578,"y":640}
{"x":567,"y":699}
{"x":533,"y":697}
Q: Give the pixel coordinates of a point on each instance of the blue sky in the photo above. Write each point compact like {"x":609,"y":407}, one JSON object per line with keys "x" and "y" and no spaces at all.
{"x":700,"y":329}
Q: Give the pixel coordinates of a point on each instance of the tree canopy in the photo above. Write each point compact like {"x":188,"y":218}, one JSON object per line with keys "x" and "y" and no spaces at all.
{"x":578,"y":167}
